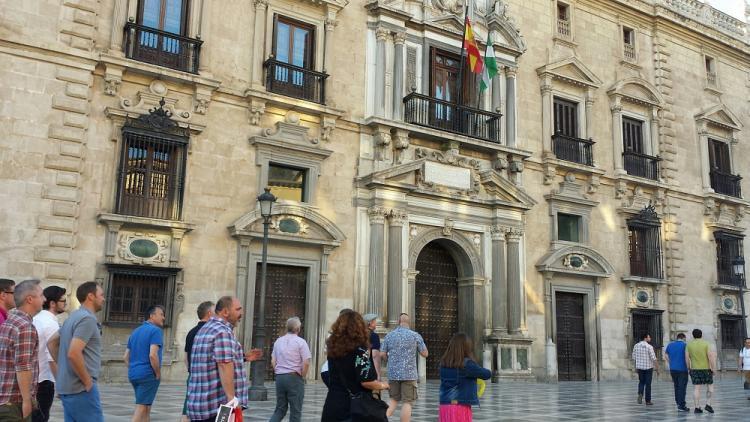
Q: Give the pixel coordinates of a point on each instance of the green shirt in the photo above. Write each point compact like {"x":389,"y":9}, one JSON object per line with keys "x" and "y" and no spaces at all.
{"x":698,"y":352}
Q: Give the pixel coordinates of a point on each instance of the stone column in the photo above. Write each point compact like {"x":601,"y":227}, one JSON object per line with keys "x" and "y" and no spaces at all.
{"x":515,"y":289}
{"x":259,"y":46}
{"x":204,"y":27}
{"x":377,"y":261}
{"x":118,"y":25}
{"x":330,"y":24}
{"x":589,"y":114}
{"x":703,"y":145}
{"x":499,"y":282}
{"x":510,"y":106}
{"x":617,"y":131}
{"x":322,"y":304}
{"x":497,"y":93}
{"x":243,"y":257}
{"x":411,"y":278}
{"x":381,"y":35}
{"x":547,"y":116}
{"x":654,"y":144}
{"x":399,"y":39}
{"x":397,"y":219}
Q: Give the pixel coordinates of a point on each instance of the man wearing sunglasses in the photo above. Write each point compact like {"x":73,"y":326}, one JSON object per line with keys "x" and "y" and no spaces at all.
{"x":7,"y":288}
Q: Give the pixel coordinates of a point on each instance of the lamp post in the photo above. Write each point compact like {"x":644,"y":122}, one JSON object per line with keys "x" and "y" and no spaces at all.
{"x":738,"y":268}
{"x":258,"y":391}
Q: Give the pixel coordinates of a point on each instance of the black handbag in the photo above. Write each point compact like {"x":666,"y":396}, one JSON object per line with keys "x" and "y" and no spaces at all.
{"x":364,"y":406}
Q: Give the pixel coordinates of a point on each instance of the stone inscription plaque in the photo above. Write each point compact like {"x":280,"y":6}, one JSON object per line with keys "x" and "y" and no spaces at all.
{"x":441,"y":174}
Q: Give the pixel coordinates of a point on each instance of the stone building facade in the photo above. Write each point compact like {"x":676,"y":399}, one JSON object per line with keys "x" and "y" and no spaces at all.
{"x":592,"y":193}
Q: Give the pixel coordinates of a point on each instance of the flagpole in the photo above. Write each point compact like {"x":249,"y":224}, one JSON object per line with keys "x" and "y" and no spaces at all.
{"x":461,"y":69}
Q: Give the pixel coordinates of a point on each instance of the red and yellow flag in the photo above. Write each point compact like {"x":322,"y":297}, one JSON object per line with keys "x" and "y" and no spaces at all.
{"x":475,"y":58}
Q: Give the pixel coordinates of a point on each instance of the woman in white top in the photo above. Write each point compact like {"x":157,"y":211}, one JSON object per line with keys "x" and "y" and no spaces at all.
{"x":743,"y":364}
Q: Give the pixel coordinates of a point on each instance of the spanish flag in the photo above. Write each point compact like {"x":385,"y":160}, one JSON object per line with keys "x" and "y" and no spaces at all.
{"x":475,"y":58}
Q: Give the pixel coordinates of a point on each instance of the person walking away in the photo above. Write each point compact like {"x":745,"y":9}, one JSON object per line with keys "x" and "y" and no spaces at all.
{"x":701,"y":362}
{"x":458,"y":380}
{"x":675,"y":356}
{"x":7,"y":301}
{"x":77,"y":349}
{"x":217,"y":364}
{"x":290,"y":361}
{"x":19,"y":359}
{"x":743,"y":365}
{"x":372,"y":322}
{"x":350,"y":367}
{"x":645,"y":363}
{"x":143,"y":359}
{"x":204,"y":311}
{"x":400,"y":347}
{"x":46,"y":325}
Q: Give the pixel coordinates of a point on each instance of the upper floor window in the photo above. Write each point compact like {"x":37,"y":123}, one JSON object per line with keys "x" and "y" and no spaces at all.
{"x":563,"y":20}
{"x":720,"y":169}
{"x":710,"y":71}
{"x":636,"y":160}
{"x":628,"y":43}
{"x":568,"y":227}
{"x":287,"y":182}
{"x":566,"y":117}
{"x":644,"y":244}
{"x":165,"y":15}
{"x":291,"y":69}
{"x":445,"y":70}
{"x":728,"y":249}
{"x":152,"y":167}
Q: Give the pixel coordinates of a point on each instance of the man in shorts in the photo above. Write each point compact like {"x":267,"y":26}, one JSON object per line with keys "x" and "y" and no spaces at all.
{"x":400,"y":349}
{"x":143,"y":358}
{"x":701,"y":363}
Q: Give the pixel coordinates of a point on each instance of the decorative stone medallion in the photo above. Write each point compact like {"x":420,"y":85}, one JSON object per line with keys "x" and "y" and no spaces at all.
{"x":576,"y":262}
{"x":144,"y":248}
{"x":289,"y":225}
{"x":728,"y":304}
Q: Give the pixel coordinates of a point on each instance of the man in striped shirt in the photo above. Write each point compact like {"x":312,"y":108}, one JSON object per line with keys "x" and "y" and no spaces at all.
{"x":217,"y":371}
{"x":645,"y":363}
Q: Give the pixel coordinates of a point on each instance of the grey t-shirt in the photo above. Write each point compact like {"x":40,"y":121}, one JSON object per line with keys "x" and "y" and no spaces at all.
{"x":80,"y":324}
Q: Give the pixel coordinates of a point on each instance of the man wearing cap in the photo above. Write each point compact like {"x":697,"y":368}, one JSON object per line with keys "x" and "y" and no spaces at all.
{"x":372,"y":321}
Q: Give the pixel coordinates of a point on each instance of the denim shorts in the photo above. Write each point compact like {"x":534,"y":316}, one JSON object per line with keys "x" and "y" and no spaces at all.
{"x":83,"y":406}
{"x":145,"y":390}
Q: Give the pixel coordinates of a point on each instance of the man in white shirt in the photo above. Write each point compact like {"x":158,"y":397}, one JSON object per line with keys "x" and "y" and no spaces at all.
{"x":46,"y":326}
{"x":743,"y":364}
{"x":645,"y":363}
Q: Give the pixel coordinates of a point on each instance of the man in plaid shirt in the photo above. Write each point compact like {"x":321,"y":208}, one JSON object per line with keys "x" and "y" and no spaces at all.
{"x":19,"y":360}
{"x":645,"y":363}
{"x":217,"y":371}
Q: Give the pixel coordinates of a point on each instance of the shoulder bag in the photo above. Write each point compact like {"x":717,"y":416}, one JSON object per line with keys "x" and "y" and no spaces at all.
{"x":364,"y":406}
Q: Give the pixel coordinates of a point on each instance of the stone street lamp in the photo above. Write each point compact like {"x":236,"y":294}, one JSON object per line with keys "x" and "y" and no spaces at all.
{"x":258,"y":391}
{"x":738,"y":268}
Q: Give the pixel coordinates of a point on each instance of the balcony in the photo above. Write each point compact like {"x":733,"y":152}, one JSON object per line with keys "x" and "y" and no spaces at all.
{"x":162,"y":48}
{"x":294,"y":81}
{"x":629,"y":52}
{"x":572,"y":149}
{"x":431,"y":112}
{"x":563,"y":28}
{"x":641,"y":165}
{"x":726,"y":183}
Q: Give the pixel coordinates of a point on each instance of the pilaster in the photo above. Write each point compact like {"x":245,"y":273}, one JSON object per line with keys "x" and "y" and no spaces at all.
{"x":510,"y":107}
{"x":396,"y":218}
{"x":377,"y":260}
{"x":499,"y":282}
{"x":515,"y":289}
{"x":399,"y":39}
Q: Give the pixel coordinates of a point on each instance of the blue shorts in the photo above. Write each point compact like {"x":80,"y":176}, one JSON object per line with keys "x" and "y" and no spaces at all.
{"x":145,"y":390}
{"x":83,"y":406}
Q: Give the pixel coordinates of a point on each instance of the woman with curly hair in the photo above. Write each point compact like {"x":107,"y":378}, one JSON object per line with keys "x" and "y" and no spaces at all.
{"x":350,"y":366}
{"x":458,"y":380}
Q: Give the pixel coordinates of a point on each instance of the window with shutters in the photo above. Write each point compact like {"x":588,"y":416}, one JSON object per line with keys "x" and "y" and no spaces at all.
{"x":566,"y":117}
{"x":728,"y":248}
{"x":132,"y":290}
{"x":445,"y":69}
{"x":152,"y":166}
{"x":566,"y":142}
{"x":636,"y":160}
{"x":647,"y":321}
{"x":644,"y":244}
{"x":720,"y":169}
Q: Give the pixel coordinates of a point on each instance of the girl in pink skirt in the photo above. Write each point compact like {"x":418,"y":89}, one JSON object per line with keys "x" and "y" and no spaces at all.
{"x":458,"y":380}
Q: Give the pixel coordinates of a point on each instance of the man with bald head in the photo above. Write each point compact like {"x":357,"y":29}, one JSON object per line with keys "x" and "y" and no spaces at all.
{"x":400,"y":348}
{"x":217,"y":370}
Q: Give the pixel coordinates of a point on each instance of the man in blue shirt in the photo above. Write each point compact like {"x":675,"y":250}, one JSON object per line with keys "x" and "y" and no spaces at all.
{"x":675,"y":355}
{"x":143,"y":358}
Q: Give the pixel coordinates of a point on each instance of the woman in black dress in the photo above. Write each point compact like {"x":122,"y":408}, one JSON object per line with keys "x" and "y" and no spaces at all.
{"x":350,"y":366}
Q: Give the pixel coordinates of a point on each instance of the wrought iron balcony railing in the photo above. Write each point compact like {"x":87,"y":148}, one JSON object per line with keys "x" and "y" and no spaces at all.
{"x":572,"y":149}
{"x":162,"y":48}
{"x":641,"y":165}
{"x":726,"y":183}
{"x":427,"y":111}
{"x":629,"y":50}
{"x":294,"y":81}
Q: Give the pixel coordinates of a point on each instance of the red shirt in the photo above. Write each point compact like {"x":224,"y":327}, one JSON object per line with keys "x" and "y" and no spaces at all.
{"x":3,"y":315}
{"x":19,"y":353}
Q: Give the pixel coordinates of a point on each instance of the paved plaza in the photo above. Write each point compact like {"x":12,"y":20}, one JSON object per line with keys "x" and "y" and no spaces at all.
{"x":569,"y":401}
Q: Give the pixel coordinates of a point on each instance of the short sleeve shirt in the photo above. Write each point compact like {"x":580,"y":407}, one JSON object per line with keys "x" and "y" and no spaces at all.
{"x":139,"y":344}
{"x":698,"y":351}
{"x":676,"y":352}
{"x":745,"y":355}
{"x":374,"y":341}
{"x":46,"y":326}
{"x":19,"y":352}
{"x":402,"y":346}
{"x":82,"y":325}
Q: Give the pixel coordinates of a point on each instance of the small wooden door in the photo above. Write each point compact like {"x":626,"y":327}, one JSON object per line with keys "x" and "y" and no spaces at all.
{"x":571,"y":337}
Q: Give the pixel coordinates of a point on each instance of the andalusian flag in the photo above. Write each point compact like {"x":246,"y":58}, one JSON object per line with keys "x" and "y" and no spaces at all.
{"x":490,"y":65}
{"x":475,"y":59}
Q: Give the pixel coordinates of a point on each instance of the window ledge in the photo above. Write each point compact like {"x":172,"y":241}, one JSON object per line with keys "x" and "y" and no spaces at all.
{"x":132,"y":220}
{"x":726,"y":287}
{"x":158,"y":71}
{"x":570,"y":165}
{"x":632,"y":64}
{"x":713,"y":89}
{"x":566,"y":41}
{"x":643,"y":280}
{"x":290,"y":103}
{"x":726,"y":198}
{"x":641,"y":180}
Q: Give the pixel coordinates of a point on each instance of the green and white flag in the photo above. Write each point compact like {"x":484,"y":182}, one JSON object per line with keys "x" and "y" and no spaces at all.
{"x":490,"y":65}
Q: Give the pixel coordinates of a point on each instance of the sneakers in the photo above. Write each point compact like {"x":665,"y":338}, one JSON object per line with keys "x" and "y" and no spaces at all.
{"x":683,"y":409}
{"x":709,"y":409}
{"x":697,"y":410}
{"x":648,"y":403}
{"x":640,"y":398}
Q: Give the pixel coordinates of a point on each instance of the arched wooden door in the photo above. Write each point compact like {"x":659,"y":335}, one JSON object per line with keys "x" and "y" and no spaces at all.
{"x":436,"y":302}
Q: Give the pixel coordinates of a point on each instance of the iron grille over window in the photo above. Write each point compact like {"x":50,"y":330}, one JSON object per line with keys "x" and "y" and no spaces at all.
{"x":728,"y":248}
{"x":647,"y":321}
{"x":152,"y":166}
{"x":132,"y":290}
{"x":644,"y":244}
{"x":731,"y":332}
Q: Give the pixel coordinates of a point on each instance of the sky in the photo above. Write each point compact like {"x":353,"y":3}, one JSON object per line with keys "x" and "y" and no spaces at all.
{"x":734,"y":8}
